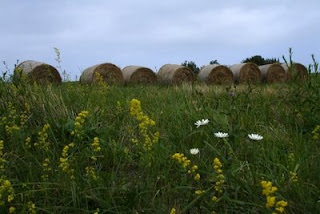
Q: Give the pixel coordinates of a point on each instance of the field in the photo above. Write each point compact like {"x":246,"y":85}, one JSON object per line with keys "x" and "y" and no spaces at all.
{"x":74,"y":148}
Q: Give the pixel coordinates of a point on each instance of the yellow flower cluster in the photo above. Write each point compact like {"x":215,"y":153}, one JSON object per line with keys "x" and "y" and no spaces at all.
{"x":46,"y":169}
{"x":12,"y":209}
{"x":293,"y":177}
{"x":186,"y":163}
{"x":220,"y":177}
{"x":9,"y":123}
{"x":145,"y":123}
{"x":25,"y":114}
{"x":316,"y":132}
{"x":79,"y":121}
{"x":2,"y":160}
{"x":91,"y":173}
{"x":11,"y":129}
{"x":96,"y":145}
{"x":6,"y":189}
{"x":119,"y":107}
{"x":27,"y":142}
{"x":97,"y":211}
{"x":31,"y":208}
{"x":173,"y":211}
{"x":43,"y":142}
{"x":65,"y":162}
{"x":268,"y":190}
{"x":199,"y":192}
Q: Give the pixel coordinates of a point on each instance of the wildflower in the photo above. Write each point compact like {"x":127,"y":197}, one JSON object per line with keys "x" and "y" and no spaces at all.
{"x":293,"y":177}
{"x":201,"y":122}
{"x":316,"y":132}
{"x":221,"y":135}
{"x":214,"y":198}
{"x":199,"y":192}
{"x":43,"y":138}
{"x":173,"y":211}
{"x":145,"y":122}
{"x":79,"y":121}
{"x":194,"y":151}
{"x":96,"y":145}
{"x":12,"y":209}
{"x":271,"y":202}
{"x":255,"y":136}
{"x":31,"y":207}
{"x":220,"y":177}
{"x":65,"y":161}
{"x":197,"y":177}
{"x":46,"y":169}
{"x":280,"y":205}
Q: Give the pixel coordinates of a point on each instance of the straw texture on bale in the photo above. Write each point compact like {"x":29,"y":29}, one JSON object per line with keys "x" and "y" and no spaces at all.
{"x":298,"y":69}
{"x":272,"y":73}
{"x":138,"y":75}
{"x":246,"y":73}
{"x":38,"y":72}
{"x":216,"y":74}
{"x":175,"y":74}
{"x":109,"y":73}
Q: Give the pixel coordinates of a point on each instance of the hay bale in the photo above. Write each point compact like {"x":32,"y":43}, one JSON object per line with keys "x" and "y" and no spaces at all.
{"x":272,"y":73}
{"x":175,"y":74}
{"x":139,"y":75}
{"x":38,"y":72}
{"x":216,"y":74}
{"x":298,"y":69}
{"x":110,"y":73}
{"x":246,"y":73}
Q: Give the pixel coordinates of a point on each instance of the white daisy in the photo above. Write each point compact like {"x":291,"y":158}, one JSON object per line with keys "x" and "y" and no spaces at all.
{"x":255,"y":137}
{"x":221,"y":135}
{"x":194,"y":151}
{"x":201,"y":122}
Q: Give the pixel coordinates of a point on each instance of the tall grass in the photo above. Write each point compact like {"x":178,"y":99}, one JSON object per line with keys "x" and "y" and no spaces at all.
{"x":128,"y":178}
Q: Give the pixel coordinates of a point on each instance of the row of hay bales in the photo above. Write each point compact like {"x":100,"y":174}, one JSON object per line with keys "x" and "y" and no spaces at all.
{"x":168,"y":73}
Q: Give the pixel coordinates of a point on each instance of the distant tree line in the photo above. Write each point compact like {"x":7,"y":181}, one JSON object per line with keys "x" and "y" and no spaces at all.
{"x":259,"y":60}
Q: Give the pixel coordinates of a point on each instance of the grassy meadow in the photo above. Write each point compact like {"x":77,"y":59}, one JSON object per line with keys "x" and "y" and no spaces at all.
{"x":74,"y":148}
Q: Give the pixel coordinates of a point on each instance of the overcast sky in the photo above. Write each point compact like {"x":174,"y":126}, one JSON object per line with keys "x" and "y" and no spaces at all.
{"x":152,"y":33}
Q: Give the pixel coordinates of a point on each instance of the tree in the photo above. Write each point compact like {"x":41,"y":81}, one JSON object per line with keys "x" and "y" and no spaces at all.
{"x":259,"y":60}
{"x":214,"y":62}
{"x":192,"y":65}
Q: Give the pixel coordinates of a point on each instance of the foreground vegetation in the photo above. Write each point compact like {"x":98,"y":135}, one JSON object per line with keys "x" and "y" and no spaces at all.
{"x":113,"y":149}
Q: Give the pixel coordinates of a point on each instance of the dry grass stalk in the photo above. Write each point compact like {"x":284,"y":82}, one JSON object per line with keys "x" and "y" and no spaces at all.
{"x":246,"y":73}
{"x":216,"y":74}
{"x":139,"y":75}
{"x":38,"y":72}
{"x":175,"y":74}
{"x":109,"y":73}
{"x":273,"y":73}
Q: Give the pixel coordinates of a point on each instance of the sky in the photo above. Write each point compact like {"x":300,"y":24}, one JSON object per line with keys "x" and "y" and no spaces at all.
{"x":153,"y":33}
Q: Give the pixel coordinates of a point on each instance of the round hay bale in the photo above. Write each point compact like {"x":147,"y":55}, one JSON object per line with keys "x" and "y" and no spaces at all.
{"x":110,"y":73}
{"x":138,"y":75}
{"x":272,"y":73}
{"x":175,"y":74}
{"x":299,"y":70}
{"x":38,"y":72}
{"x":216,"y":74}
{"x":246,"y":73}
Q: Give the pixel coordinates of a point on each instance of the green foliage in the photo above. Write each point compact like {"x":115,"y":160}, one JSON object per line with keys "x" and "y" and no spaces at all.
{"x":259,"y":60}
{"x":214,"y":62}
{"x":192,"y":65}
{"x":124,"y":177}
